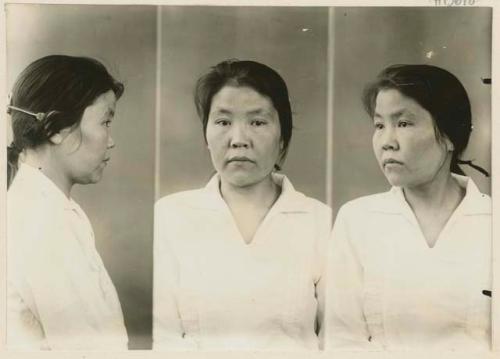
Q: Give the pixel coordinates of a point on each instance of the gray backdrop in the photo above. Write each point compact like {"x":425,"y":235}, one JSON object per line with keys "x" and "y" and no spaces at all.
{"x":369,"y":39}
{"x":120,"y":207}
{"x":196,"y":38}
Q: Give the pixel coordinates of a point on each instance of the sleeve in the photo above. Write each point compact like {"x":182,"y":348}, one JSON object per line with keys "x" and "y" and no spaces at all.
{"x":345,"y":324}
{"x":62,"y":305}
{"x":168,"y":332}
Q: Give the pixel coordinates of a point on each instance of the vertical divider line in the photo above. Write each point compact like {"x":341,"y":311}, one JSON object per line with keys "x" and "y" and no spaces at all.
{"x":324,"y":343}
{"x":5,"y":129}
{"x":495,"y":182}
{"x":329,"y":108}
{"x":158,"y":102}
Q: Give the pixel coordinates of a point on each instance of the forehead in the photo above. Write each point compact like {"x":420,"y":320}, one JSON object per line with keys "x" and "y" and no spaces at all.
{"x":105,"y":101}
{"x":389,"y":101}
{"x":240,"y":99}
{"x":102,"y":107}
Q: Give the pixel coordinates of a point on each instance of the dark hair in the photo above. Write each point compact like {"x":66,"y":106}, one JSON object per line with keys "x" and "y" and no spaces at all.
{"x":57,"y":88}
{"x":257,"y":76}
{"x":437,"y":91}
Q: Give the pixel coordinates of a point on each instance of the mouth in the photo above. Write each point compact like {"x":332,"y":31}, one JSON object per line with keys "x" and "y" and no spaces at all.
{"x":239,"y":159}
{"x":391,"y":161}
{"x":106,"y":160}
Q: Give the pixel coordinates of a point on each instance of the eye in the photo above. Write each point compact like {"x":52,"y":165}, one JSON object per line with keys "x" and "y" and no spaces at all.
{"x":258,"y":123}
{"x":404,"y":124}
{"x":107,"y":123}
{"x":222,"y":122}
{"x":378,"y":125}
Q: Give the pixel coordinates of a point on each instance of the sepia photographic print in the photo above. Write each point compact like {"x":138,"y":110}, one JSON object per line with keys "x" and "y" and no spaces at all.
{"x":250,"y":179}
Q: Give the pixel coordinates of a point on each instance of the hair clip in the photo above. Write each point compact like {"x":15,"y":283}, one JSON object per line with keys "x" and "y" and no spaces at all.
{"x":40,"y":116}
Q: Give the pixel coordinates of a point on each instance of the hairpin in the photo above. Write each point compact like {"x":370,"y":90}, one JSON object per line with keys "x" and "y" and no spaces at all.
{"x":40,"y":116}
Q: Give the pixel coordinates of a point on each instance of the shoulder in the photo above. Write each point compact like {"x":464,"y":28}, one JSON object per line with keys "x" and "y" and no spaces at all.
{"x":299,"y":200}
{"x":184,"y":199}
{"x":475,"y":202}
{"x":29,"y":205}
{"x":484,"y":200}
{"x":34,"y":222}
{"x":317,"y":207}
{"x":480,"y":204}
{"x":364,"y":204}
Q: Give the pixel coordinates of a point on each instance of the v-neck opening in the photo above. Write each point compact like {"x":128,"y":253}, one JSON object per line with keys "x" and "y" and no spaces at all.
{"x":259,"y":229}
{"x":264,"y":220}
{"x":449,"y":222}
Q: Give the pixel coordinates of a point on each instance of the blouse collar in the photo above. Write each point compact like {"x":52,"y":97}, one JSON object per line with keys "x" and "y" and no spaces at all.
{"x":35,"y":178}
{"x":474,"y":202}
{"x":289,"y":200}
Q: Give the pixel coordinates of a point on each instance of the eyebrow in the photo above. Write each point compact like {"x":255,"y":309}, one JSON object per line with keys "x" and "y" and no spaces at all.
{"x":258,"y":111}
{"x":396,"y":114}
{"x":222,"y":111}
{"x":110,"y":113}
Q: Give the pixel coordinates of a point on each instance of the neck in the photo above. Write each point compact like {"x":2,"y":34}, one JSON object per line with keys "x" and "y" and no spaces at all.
{"x":262,"y":194}
{"x":43,"y":161}
{"x":442,"y":191}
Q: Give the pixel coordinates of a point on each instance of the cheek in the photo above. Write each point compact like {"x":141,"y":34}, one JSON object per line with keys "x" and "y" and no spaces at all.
{"x":96,"y":139}
{"x":426,"y":145}
{"x":273,"y":144}
{"x":426,"y":152}
{"x":213,"y":140}
{"x":375,"y":145}
{"x":215,"y":145}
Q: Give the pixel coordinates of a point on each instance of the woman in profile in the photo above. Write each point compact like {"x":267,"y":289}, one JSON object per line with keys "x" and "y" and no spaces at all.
{"x":239,"y":263}
{"x":59,"y":293}
{"x":411,"y":267}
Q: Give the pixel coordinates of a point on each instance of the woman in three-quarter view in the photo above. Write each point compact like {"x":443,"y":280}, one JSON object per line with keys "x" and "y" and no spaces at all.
{"x":59,"y":293}
{"x":239,"y":263}
{"x":411,"y":267}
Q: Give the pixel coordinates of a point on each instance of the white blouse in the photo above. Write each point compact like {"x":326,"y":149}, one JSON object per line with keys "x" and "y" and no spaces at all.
{"x":59,"y":293}
{"x":387,"y":289}
{"x":214,"y":291}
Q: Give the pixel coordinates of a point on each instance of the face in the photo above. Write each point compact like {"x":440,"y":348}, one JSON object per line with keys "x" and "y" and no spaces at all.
{"x":84,"y":151}
{"x":405,"y":142}
{"x":243,"y":135}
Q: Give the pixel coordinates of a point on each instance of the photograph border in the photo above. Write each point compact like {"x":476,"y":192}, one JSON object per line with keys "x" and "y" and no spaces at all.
{"x":495,"y":184}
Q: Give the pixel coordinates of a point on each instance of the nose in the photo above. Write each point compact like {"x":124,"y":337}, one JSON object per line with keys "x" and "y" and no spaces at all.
{"x":389,"y":139}
{"x":239,"y":136}
{"x":111,"y":143}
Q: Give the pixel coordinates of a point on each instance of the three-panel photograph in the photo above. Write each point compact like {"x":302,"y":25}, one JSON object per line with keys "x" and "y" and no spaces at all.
{"x":248,"y":178}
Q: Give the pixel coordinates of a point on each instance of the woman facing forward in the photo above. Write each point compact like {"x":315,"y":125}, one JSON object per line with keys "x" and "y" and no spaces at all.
{"x":411,"y":267}
{"x":59,"y":293}
{"x":238,"y":263}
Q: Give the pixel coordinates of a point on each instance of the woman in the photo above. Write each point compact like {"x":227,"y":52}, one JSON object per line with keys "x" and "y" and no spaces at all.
{"x":238,"y":263}
{"x":59,"y":293}
{"x":411,"y":267}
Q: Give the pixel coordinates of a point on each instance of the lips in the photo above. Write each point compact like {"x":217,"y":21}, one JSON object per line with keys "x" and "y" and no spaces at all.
{"x":391,"y":161}
{"x":239,"y":159}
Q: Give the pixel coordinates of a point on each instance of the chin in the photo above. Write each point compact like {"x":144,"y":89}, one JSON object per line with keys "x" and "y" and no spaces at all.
{"x":241,"y":183}
{"x":396,"y":181}
{"x":92,"y":179}
{"x":241,"y":180}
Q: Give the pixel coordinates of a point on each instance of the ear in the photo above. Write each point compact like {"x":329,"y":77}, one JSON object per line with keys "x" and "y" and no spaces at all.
{"x":450,"y":147}
{"x":56,"y":139}
{"x":60,"y":136}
